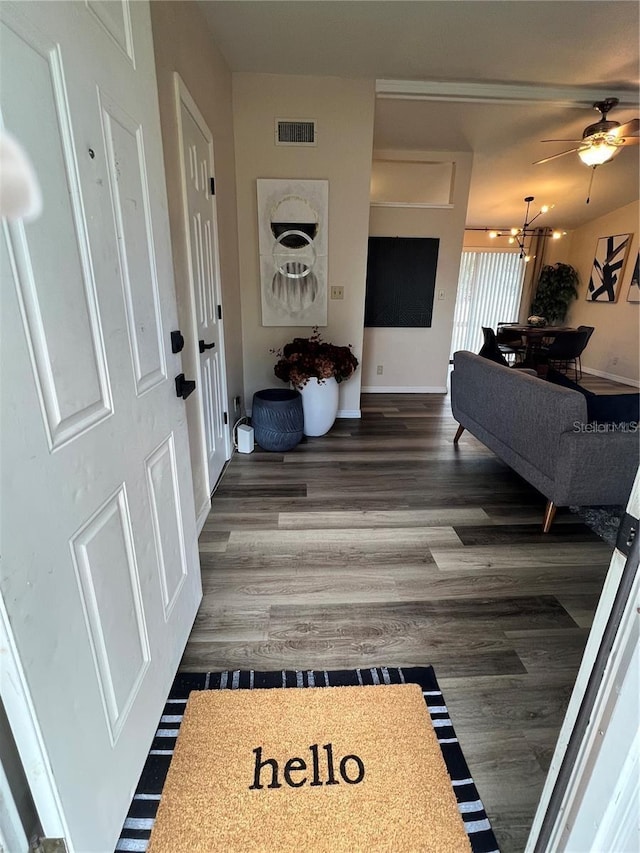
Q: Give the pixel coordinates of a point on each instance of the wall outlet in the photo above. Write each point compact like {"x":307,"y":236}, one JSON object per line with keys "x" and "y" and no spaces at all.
{"x":337,"y":292}
{"x":380,"y":370}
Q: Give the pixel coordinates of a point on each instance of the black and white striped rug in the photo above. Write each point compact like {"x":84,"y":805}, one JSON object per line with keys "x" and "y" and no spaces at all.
{"x":139,"y":822}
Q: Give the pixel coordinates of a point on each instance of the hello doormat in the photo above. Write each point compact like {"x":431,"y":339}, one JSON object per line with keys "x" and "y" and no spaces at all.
{"x":140,"y":819}
{"x":348,"y":768}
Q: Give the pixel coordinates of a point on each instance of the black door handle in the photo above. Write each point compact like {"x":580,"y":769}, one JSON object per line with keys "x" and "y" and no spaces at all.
{"x":184,"y":387}
{"x":204,"y":346}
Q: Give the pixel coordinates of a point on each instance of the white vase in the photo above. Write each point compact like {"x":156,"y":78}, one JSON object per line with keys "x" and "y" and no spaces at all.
{"x":319,"y":405}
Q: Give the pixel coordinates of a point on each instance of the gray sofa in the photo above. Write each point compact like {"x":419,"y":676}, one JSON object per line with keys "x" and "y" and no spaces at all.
{"x":541,"y":430}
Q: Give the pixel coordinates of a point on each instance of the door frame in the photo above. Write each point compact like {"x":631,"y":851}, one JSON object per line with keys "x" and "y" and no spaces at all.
{"x":593,"y":691}
{"x":27,"y":734}
{"x":183,"y":97}
{"x":12,"y":834}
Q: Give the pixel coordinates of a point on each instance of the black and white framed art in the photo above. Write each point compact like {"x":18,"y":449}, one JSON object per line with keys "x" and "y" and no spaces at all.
{"x":608,"y":268}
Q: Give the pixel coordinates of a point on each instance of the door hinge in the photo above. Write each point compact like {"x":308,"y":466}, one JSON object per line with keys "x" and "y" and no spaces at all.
{"x":212,"y":185}
{"x":219,"y":312}
{"x":226,"y":418}
{"x":48,"y":845}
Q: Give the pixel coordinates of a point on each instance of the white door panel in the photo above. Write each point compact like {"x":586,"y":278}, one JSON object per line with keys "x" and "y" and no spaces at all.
{"x":165,"y":500}
{"x":126,"y":165}
{"x":100,"y":575}
{"x":109,"y":583}
{"x":200,"y":213}
{"x":73,"y":385}
{"x":115,"y":17}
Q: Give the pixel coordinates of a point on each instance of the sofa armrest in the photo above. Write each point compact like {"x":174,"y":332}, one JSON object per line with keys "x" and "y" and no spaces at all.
{"x":596,"y":467}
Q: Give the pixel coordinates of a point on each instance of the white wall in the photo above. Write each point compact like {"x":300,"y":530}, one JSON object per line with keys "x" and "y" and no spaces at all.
{"x":418,"y":359}
{"x":614,"y":348}
{"x":344,"y":113}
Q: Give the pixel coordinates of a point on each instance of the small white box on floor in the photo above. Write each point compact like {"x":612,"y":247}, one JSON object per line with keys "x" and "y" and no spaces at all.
{"x":245,"y":439}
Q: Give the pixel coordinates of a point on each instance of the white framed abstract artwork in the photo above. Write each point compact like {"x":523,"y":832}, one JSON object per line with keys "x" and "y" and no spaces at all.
{"x":634,"y":285}
{"x":608,"y":268}
{"x":293,"y":245}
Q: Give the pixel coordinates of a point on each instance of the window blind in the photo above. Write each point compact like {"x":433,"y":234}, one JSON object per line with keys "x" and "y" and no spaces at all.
{"x":489,"y":291}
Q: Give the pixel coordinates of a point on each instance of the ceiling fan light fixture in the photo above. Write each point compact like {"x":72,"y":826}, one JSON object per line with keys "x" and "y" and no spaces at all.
{"x":602,"y":140}
{"x":599,"y":151}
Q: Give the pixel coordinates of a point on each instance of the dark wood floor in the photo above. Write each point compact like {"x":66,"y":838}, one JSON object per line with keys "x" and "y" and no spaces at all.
{"x":381,"y":544}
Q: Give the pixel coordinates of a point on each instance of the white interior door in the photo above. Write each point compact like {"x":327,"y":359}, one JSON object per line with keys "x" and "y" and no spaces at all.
{"x":198,"y":192}
{"x":100,"y":577}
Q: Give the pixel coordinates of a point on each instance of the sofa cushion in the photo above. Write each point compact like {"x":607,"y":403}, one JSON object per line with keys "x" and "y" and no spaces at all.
{"x":614,"y":408}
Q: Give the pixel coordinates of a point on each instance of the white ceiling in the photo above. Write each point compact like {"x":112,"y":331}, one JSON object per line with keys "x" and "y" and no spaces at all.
{"x":544,"y":44}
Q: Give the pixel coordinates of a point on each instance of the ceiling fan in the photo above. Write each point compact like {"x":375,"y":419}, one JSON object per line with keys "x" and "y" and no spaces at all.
{"x":601,"y":141}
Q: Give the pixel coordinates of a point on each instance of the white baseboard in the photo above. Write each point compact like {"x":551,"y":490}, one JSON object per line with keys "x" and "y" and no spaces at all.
{"x":403,"y":389}
{"x":202,"y":516}
{"x":612,"y":376}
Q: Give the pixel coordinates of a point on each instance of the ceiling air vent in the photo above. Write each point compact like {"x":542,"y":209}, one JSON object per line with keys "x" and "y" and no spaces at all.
{"x":295,"y":131}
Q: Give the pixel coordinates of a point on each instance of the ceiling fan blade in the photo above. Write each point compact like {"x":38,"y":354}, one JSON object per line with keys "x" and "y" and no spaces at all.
{"x":560,"y":140}
{"x":631,"y":140}
{"x":628,"y":129}
{"x":554,"y":156}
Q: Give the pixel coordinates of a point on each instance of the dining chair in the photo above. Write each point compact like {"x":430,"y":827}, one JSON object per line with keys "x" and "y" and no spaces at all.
{"x":509,"y":342}
{"x":590,"y":330}
{"x":566,"y":349}
{"x":490,"y":348}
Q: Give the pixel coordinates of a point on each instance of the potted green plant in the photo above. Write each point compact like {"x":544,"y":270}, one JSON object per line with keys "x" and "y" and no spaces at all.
{"x":315,"y":367}
{"x":557,"y":286}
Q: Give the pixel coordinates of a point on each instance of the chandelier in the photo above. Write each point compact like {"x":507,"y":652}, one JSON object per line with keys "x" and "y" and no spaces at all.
{"x":520,"y":236}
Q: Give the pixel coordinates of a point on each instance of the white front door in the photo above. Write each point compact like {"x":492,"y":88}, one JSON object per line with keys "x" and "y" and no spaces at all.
{"x":100,"y":578}
{"x":199,"y":201}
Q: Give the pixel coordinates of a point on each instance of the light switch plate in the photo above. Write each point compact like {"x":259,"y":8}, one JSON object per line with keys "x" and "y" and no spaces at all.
{"x":337,"y":292}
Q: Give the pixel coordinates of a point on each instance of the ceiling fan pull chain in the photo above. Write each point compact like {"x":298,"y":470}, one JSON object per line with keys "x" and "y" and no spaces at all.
{"x":593,"y":171}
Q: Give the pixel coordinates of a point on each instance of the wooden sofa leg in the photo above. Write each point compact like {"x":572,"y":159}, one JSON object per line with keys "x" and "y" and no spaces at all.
{"x":458,"y":434}
{"x":549,"y":515}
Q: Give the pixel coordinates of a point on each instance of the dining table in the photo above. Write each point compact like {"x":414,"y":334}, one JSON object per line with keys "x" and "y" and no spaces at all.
{"x":533,"y":338}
